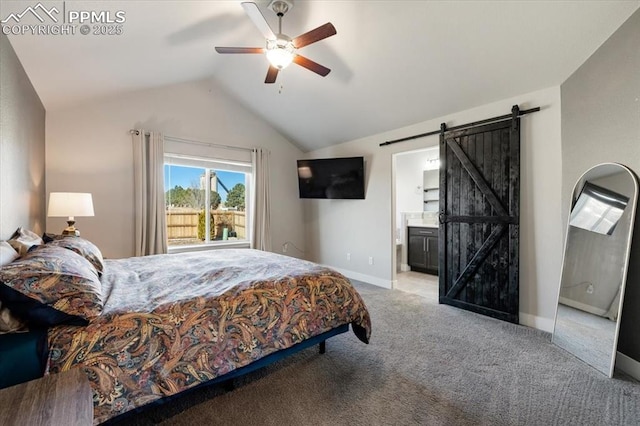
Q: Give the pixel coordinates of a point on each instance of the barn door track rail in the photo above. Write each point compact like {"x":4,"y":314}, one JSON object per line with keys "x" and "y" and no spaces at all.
{"x":443,"y":126}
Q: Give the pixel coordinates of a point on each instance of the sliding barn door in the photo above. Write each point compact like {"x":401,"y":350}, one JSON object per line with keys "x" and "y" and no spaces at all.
{"x":479,"y":216}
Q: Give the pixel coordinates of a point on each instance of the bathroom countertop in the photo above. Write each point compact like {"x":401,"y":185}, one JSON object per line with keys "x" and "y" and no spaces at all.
{"x":420,"y":224}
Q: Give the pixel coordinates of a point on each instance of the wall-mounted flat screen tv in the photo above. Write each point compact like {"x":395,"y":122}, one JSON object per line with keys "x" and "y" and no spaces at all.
{"x":598,"y":209}
{"x":336,"y":178}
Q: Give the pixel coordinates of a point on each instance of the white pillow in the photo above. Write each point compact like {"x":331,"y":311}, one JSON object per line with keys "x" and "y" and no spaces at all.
{"x":8,"y":323}
{"x":23,"y":239}
{"x":7,"y":253}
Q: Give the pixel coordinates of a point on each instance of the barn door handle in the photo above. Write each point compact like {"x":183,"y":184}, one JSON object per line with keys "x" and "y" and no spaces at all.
{"x":442,"y":218}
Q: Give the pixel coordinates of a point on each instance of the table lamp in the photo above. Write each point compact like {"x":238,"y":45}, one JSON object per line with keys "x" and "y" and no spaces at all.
{"x":70,"y":204}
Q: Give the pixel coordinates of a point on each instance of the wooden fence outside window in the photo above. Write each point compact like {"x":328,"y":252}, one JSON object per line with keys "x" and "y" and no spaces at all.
{"x":182,"y":225}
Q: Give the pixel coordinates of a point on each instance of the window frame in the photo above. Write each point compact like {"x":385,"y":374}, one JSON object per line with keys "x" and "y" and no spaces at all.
{"x":207,"y":165}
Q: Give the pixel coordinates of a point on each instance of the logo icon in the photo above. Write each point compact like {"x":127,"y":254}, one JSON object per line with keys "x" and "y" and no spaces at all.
{"x":38,"y":10}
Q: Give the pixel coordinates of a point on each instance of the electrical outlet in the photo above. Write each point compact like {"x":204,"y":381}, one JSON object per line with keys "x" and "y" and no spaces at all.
{"x":590,"y":289}
{"x":285,"y":247}
{"x":370,"y":260}
{"x":349,"y":256}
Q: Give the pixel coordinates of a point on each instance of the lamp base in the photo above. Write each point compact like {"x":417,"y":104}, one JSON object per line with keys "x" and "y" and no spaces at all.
{"x":71,"y":229}
{"x":74,"y":233}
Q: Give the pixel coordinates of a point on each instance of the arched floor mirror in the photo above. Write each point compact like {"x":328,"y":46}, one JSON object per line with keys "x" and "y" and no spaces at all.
{"x":594,"y":269}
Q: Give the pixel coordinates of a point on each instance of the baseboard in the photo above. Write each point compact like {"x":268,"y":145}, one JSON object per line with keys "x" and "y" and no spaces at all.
{"x":404,"y":267}
{"x":583,"y":307}
{"x":365,"y":278}
{"x":534,"y":321}
{"x":628,"y":365}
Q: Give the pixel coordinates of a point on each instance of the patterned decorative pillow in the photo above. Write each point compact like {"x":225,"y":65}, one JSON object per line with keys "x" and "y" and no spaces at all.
{"x":84,"y":248}
{"x":23,"y":239}
{"x":51,"y":285}
{"x":7,"y":253}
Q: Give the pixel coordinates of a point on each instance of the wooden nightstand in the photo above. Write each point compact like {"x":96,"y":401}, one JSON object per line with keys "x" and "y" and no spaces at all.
{"x":57,"y":399}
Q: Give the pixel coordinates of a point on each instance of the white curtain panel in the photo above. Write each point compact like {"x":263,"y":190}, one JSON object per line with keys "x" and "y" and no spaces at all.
{"x":150,"y":217}
{"x":261,"y":235}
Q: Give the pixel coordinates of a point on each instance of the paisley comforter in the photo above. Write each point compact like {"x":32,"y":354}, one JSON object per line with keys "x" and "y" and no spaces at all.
{"x":171,"y":322}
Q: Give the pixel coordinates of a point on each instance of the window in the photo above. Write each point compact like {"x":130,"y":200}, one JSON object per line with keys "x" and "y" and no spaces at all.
{"x":207,"y":201}
{"x":598,"y":209}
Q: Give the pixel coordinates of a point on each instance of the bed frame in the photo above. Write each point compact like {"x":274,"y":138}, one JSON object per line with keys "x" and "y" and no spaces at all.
{"x":227,"y":379}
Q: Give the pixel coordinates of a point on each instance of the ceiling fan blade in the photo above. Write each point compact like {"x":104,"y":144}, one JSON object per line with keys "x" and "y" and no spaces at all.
{"x":322,"y":32}
{"x":251,"y":9}
{"x":310,"y":65}
{"x":272,"y":74}
{"x":239,"y":49}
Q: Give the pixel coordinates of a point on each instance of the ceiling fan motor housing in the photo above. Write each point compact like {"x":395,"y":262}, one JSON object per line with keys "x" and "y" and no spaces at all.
{"x":280,"y":7}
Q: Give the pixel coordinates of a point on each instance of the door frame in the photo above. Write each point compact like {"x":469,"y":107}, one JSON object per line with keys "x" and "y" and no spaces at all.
{"x":433,"y":145}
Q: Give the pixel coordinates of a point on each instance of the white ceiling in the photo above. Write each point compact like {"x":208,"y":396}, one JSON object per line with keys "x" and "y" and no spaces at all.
{"x":393,"y":63}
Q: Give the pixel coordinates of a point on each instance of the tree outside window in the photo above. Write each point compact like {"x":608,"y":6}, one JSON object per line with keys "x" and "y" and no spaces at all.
{"x":235,"y":197}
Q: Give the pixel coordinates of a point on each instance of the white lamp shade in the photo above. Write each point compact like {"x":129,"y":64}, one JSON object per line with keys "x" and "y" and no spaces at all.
{"x":70,"y":204}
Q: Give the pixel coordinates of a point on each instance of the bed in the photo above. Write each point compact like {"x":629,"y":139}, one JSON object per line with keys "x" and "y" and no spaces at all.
{"x":155,"y":326}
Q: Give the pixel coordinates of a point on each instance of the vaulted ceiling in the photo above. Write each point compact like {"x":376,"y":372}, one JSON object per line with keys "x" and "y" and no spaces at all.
{"x":393,"y":63}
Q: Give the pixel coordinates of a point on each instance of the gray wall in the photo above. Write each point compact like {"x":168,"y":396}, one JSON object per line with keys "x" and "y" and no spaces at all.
{"x":97,"y":132}
{"x":22,"y":136}
{"x":366,"y":228}
{"x":601,"y":123}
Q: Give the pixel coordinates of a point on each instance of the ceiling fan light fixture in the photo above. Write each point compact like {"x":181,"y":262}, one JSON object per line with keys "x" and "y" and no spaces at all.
{"x":280,"y":53}
{"x":281,"y":50}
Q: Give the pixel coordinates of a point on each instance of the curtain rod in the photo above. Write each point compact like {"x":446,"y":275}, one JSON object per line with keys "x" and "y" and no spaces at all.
{"x":462,"y":126}
{"x":181,"y":140}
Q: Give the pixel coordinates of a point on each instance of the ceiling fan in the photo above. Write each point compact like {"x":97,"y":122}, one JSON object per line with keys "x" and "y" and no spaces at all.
{"x":281,"y":49}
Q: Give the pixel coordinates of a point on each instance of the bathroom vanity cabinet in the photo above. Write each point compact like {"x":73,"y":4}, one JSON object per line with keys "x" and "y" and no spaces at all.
{"x":423,"y":249}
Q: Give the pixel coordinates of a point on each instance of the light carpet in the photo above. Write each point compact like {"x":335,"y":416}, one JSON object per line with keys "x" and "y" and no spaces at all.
{"x":427,"y":364}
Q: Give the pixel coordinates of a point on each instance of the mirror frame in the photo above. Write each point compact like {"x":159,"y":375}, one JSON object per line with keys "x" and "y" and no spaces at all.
{"x":633,"y":205}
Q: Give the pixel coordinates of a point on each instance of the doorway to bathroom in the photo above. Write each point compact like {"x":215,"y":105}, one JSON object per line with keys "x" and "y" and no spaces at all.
{"x":416,"y":200}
